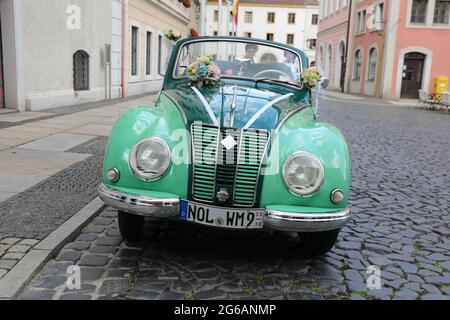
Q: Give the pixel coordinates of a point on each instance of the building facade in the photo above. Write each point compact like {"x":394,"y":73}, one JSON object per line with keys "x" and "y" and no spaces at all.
{"x":395,"y":47}
{"x":332,"y":40}
{"x":66,"y":52}
{"x":294,"y":22}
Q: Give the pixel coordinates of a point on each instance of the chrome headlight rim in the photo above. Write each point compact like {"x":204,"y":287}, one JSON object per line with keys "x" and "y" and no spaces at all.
{"x":317,"y":186}
{"x":133,"y":165}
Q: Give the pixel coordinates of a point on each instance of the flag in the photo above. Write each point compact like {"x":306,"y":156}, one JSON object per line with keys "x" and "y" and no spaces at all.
{"x":236,"y":11}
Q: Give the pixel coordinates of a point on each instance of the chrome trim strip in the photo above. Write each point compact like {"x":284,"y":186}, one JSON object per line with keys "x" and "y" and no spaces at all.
{"x":206,"y":105}
{"x":306,"y":222}
{"x":264,"y":109}
{"x":140,"y":205}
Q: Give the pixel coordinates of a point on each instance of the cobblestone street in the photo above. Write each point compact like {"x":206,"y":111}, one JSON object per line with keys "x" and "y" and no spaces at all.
{"x":400,"y":201}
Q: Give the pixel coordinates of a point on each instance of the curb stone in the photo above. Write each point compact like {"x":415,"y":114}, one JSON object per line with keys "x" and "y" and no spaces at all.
{"x":19,"y":276}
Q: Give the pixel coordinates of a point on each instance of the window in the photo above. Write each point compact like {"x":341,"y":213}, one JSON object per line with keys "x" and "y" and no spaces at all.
{"x":358,"y":63}
{"x":269,"y":36}
{"x":291,"y":18}
{"x":314,"y":19}
{"x":379,"y":17}
{"x":134,"y":50}
{"x":271,"y":17}
{"x":148,"y":54}
{"x":441,"y":11}
{"x":80,"y":70}
{"x":361,"y":23}
{"x":371,"y":73}
{"x":290,"y":38}
{"x":248,"y":34}
{"x":248,"y":18}
{"x":216,"y":16}
{"x":419,"y":11}
{"x":312,"y":44}
{"x":215,"y":33}
{"x":232,"y":34}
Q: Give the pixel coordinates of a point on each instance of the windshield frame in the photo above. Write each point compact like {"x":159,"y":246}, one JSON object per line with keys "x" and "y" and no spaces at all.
{"x":234,"y":39}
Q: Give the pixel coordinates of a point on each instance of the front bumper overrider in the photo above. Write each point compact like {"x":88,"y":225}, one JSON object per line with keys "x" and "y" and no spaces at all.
{"x":273,"y":219}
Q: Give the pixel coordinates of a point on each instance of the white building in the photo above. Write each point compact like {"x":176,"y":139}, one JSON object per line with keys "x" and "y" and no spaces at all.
{"x":53,"y":52}
{"x":287,"y":21}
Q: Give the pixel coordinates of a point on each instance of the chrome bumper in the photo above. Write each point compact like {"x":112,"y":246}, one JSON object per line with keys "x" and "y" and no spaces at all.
{"x":170,"y":208}
{"x":306,"y":222}
{"x":140,"y":205}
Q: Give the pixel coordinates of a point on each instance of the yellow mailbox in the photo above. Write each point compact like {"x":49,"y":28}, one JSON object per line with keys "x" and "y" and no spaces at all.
{"x":441,"y":85}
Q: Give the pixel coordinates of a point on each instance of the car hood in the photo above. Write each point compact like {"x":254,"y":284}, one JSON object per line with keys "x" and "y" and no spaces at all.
{"x":205,"y":104}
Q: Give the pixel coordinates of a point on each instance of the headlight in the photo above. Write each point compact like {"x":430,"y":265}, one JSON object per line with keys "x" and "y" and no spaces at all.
{"x":303,"y":173}
{"x":150,"y":158}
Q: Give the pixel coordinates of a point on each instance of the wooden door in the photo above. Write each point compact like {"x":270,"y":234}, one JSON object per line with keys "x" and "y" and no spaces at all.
{"x":412,"y":75}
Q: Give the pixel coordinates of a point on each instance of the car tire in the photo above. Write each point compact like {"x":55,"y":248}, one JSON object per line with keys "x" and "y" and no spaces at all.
{"x":317,"y":243}
{"x":130,"y":226}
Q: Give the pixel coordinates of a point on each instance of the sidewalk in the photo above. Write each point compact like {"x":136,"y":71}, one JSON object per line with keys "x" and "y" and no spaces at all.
{"x":50,"y":167}
{"x":351,"y":98}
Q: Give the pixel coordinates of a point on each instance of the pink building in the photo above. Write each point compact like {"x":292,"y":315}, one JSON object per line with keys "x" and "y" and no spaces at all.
{"x":332,"y":40}
{"x":396,"y":46}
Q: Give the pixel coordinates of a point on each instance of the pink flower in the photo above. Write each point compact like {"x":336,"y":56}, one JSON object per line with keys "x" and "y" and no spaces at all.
{"x":214,"y":69}
{"x":229,"y":72}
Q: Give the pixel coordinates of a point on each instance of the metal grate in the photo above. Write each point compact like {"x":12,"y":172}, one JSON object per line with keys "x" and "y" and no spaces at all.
{"x":80,"y":70}
{"x":237,"y":169}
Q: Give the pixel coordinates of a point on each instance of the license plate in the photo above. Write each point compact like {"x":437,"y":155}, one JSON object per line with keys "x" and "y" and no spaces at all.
{"x":232,"y":218}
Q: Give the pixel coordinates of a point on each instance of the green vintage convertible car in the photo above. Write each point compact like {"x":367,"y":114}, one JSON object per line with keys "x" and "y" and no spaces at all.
{"x":231,"y":142}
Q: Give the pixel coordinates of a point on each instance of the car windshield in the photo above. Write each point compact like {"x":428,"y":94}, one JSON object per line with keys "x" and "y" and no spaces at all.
{"x":241,"y":59}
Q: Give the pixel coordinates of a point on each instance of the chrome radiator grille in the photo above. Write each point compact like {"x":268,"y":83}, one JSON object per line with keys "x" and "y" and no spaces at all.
{"x":234,"y":170}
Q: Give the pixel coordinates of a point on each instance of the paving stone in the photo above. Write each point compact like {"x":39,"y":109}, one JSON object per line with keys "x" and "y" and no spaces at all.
{"x":78,"y":245}
{"x":29,"y":242}
{"x":103,"y":249}
{"x":94,"y":260}
{"x":37,"y":295}
{"x":13,"y":256}
{"x":108,"y":241}
{"x":119,"y":273}
{"x":170,"y":295}
{"x":54,"y":268}
{"x":94,"y":229}
{"x":18,"y":248}
{"x":349,"y":245}
{"x":408,"y":267}
{"x":434,"y":297}
{"x":102,"y":221}
{"x":7,"y":264}
{"x":10,"y":241}
{"x":87,"y":237}
{"x":75,"y":296}
{"x":142,"y":295}
{"x":49,"y":282}
{"x":353,"y":275}
{"x":91,"y":274}
{"x":381,"y":294}
{"x":114,"y":287}
{"x":68,"y":255}
{"x":3,"y":273}
{"x":380,"y":261}
{"x":406,"y":294}
{"x":124,"y":263}
{"x":210,"y":295}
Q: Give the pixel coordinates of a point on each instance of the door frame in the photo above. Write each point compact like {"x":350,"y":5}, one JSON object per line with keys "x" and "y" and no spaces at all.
{"x":426,"y":77}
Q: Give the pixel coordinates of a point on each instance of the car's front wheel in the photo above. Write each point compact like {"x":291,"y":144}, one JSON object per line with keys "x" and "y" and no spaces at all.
{"x":130,"y":226}
{"x":317,"y":243}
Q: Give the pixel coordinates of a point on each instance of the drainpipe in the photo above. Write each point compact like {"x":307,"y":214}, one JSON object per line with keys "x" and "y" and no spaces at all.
{"x":124,"y":46}
{"x":346,"y":47}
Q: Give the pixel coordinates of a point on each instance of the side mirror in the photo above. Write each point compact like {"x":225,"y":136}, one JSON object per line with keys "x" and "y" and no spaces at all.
{"x":325,"y":83}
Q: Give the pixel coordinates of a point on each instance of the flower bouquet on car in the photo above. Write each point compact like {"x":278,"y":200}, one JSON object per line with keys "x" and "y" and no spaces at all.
{"x":310,"y":78}
{"x":203,"y":71}
{"x":173,"y":35}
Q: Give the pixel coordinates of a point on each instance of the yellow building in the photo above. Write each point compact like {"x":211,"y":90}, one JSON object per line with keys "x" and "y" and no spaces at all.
{"x":147,"y":48}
